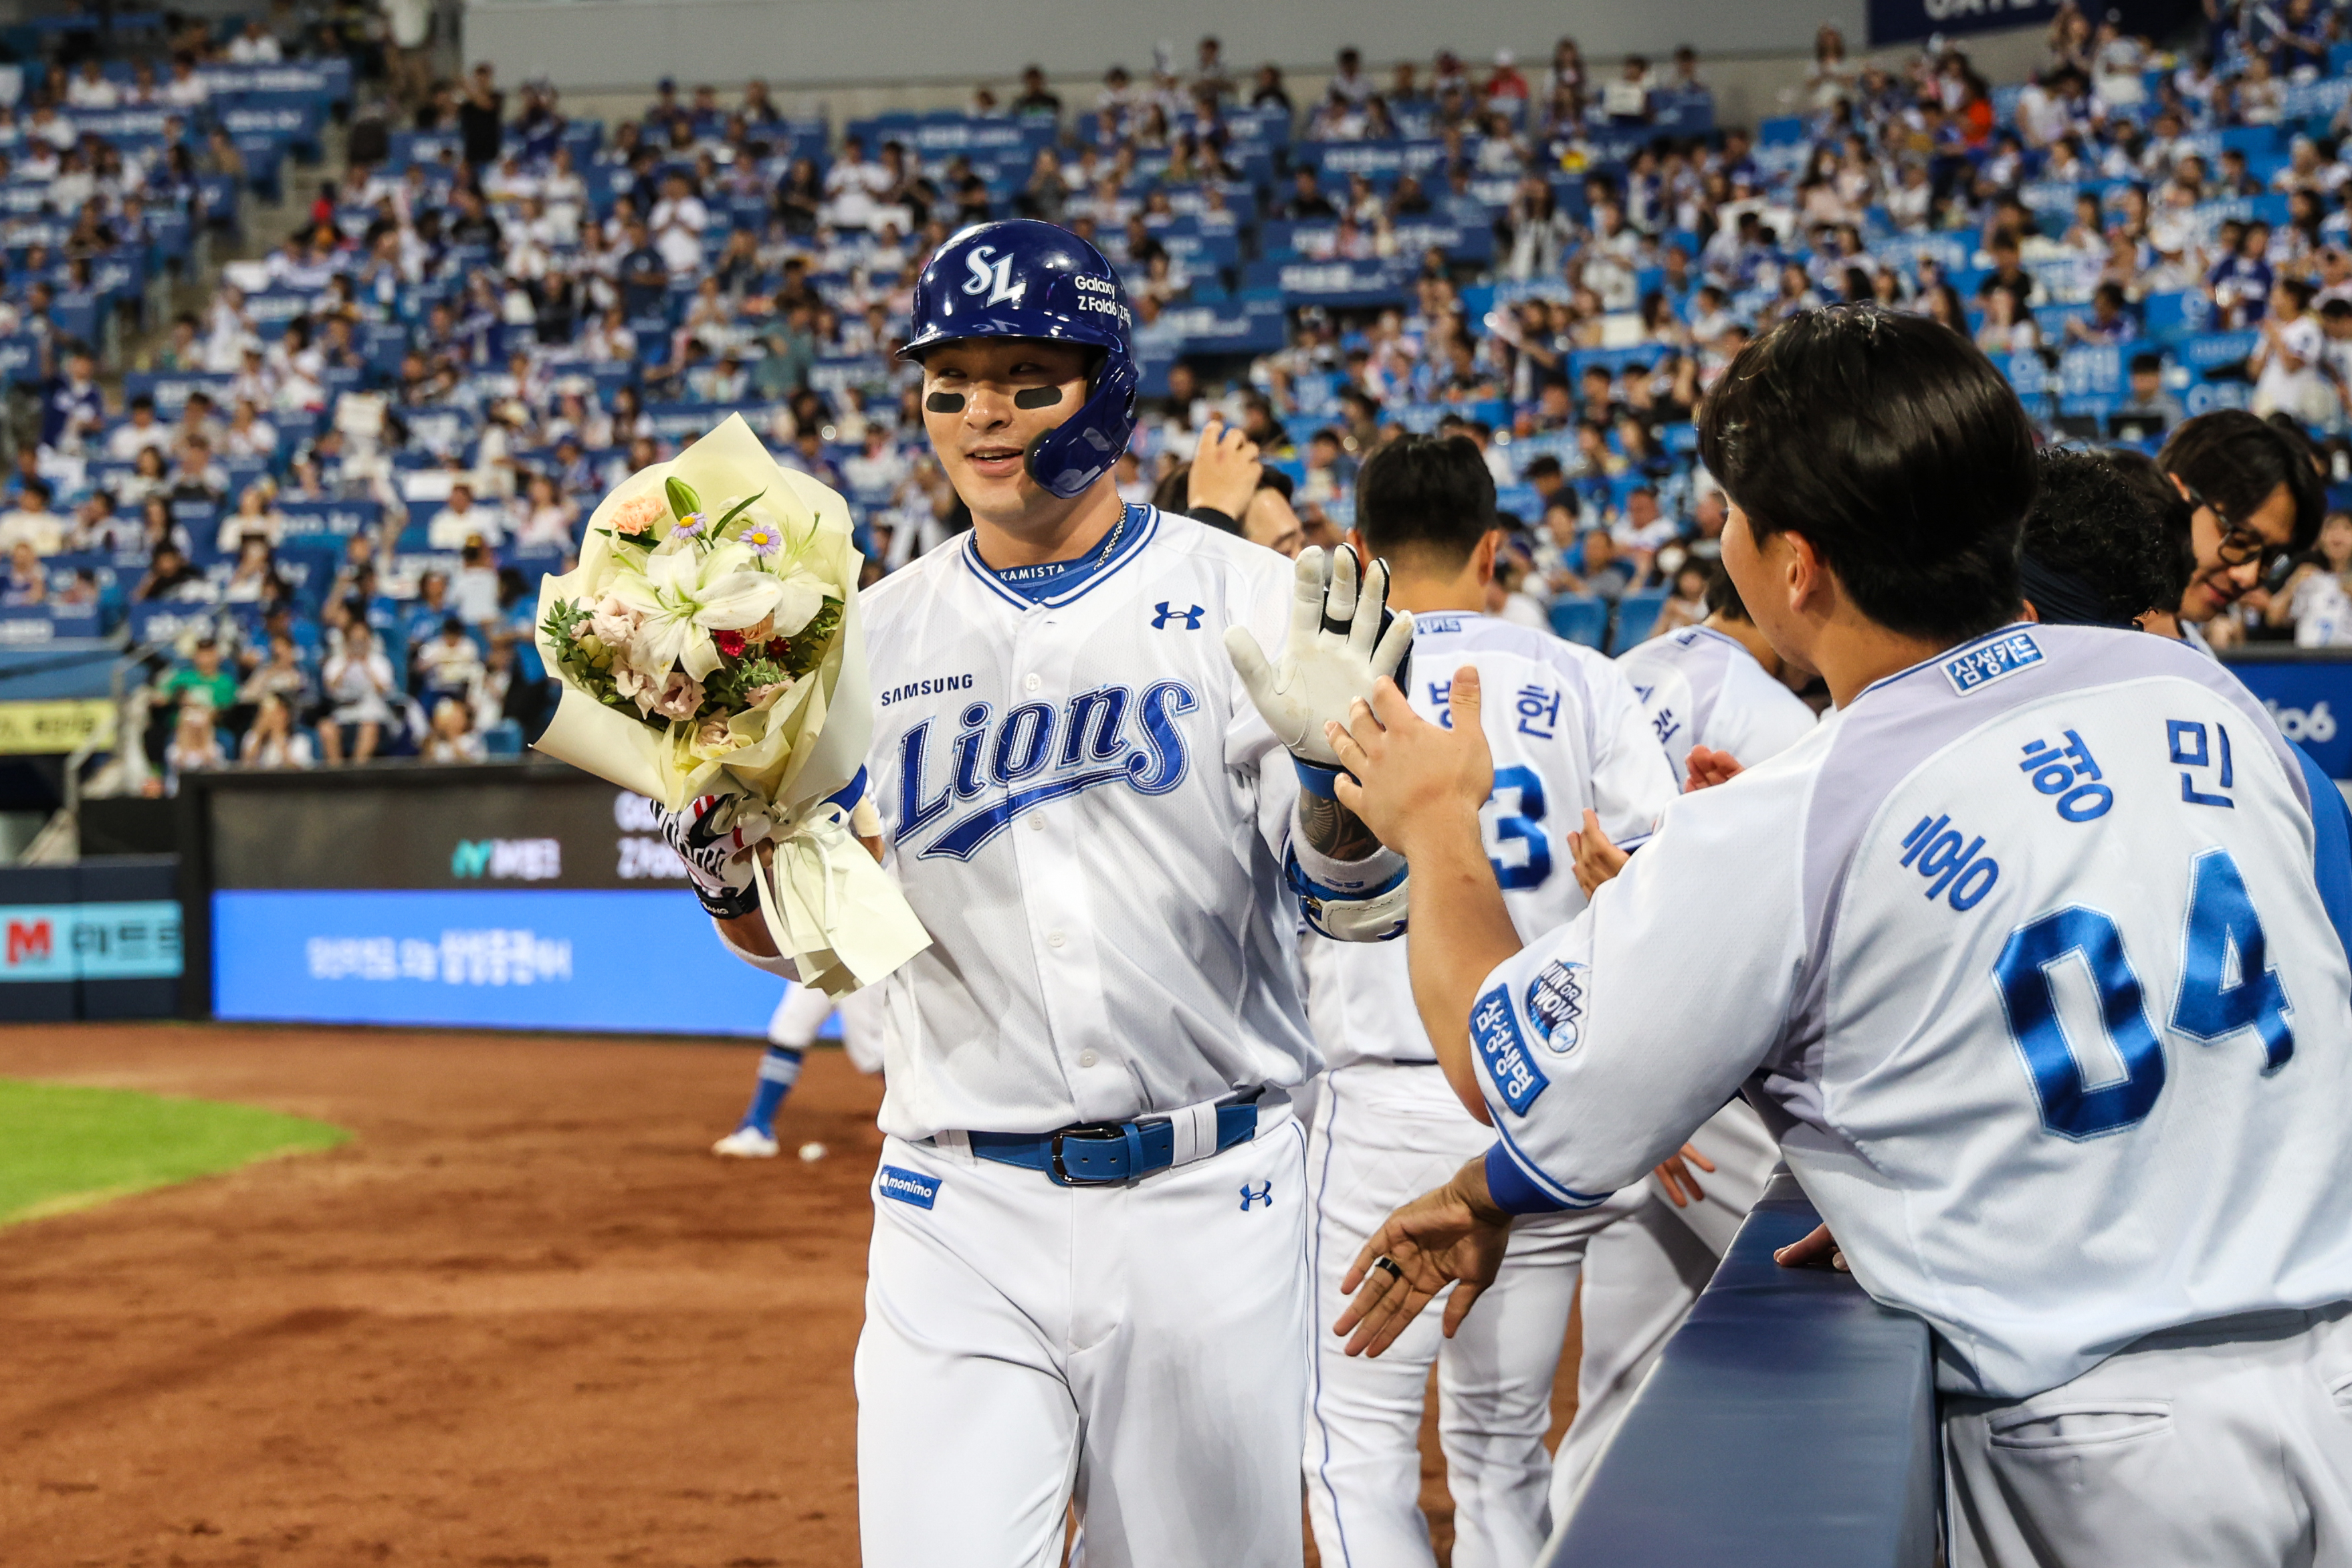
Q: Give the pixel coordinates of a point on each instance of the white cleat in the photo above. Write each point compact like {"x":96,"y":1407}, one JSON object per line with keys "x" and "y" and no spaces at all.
{"x":746,"y":1143}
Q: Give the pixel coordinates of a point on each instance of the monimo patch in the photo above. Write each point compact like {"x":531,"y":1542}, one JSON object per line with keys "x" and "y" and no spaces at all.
{"x":910,"y":1186}
{"x":1505,"y":1050}
{"x":1998,"y":660}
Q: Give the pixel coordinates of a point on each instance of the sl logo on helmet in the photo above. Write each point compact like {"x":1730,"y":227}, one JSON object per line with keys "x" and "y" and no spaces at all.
{"x":994,"y":280}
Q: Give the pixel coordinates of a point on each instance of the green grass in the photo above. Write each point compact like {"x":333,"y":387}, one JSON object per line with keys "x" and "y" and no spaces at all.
{"x":64,"y":1147}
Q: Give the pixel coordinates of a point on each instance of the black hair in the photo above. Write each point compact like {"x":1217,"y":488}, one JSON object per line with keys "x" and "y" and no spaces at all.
{"x":2236,"y":461}
{"x":1893,"y":446}
{"x":1428,"y":492}
{"x":2096,"y":547}
{"x":1722,"y":596}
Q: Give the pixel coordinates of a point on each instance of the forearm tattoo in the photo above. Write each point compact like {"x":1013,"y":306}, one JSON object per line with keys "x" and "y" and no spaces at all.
{"x":1334,"y":830}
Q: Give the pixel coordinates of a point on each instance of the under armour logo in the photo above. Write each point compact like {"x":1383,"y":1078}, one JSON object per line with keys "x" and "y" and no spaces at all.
{"x":1190,"y":616}
{"x":1265,"y":1195}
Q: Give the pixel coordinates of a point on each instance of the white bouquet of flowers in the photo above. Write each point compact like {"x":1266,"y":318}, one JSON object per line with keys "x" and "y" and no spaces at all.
{"x":708,"y":644}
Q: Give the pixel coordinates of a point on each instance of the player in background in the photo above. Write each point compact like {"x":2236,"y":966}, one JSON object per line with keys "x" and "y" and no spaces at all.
{"x":1087,"y":1280}
{"x":793,"y":1028}
{"x":1719,"y":690}
{"x":1568,"y":738}
{"x":2023,"y":952}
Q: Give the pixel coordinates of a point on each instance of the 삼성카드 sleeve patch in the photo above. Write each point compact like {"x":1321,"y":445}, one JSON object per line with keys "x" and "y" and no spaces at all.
{"x":1495,"y":1030}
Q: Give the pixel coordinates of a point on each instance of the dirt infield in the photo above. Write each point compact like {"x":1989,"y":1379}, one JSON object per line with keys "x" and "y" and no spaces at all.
{"x":522,"y":1318}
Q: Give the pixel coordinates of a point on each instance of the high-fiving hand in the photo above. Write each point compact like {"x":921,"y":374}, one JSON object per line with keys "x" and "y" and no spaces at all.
{"x":1412,"y":775}
{"x":1332,"y":657}
{"x":1455,"y":1236}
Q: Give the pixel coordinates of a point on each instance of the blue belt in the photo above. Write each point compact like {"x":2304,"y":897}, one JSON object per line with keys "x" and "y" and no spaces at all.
{"x":1101,"y":1154}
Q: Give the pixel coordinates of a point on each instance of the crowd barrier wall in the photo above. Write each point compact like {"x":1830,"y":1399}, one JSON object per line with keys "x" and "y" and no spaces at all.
{"x":1788,"y":1424}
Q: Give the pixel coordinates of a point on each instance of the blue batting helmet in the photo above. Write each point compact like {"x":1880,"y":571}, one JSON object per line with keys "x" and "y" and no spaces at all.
{"x":1022,"y":278}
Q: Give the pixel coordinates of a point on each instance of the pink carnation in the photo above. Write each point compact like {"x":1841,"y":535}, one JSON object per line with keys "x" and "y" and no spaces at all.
{"x":712,"y":732}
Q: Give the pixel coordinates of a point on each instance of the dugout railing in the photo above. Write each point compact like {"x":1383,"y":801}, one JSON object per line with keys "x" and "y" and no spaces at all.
{"x":1788,"y":1424}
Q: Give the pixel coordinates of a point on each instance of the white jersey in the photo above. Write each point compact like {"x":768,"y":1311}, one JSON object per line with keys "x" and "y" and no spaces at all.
{"x":2023,"y":955}
{"x":1702,"y":688}
{"x":1567,"y":733}
{"x":1090,"y":817}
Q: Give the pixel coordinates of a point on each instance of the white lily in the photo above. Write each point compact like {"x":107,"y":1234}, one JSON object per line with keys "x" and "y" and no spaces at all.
{"x":686,"y":595}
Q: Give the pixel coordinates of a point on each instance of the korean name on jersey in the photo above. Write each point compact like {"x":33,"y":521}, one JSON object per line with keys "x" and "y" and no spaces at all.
{"x":1567,"y":732}
{"x":2024,"y":953}
{"x":1088,"y":816}
{"x":1702,"y":688}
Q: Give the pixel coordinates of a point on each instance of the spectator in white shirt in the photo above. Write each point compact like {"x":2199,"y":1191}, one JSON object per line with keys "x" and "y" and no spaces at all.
{"x":548,"y":520}
{"x":2288,"y":361}
{"x":452,"y":738}
{"x":851,"y":187}
{"x":1643,"y":530}
{"x":255,"y":46}
{"x":91,"y":89}
{"x":677,"y":225}
{"x":126,"y":442}
{"x":32,"y":521}
{"x":256,"y":517}
{"x":462,"y":520}
{"x":876,"y":473}
{"x":186,"y":90}
{"x":249,"y":435}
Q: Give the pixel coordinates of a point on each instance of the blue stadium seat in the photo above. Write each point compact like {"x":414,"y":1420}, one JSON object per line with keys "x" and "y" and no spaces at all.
{"x":1580,"y":618}
{"x":1637,"y":617}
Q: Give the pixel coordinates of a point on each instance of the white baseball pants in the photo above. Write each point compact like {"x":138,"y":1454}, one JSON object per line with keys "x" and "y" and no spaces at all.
{"x":2227,"y":1445}
{"x":1640,"y":1276}
{"x":1136,"y":1349}
{"x":1384,"y":1134}
{"x":805,"y":1008}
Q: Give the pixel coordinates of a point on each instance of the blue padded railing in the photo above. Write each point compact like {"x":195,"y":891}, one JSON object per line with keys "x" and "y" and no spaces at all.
{"x":1791,"y":1423}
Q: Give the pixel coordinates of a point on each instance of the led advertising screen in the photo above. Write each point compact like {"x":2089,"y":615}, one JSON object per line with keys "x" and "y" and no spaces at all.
{"x":520,"y":897}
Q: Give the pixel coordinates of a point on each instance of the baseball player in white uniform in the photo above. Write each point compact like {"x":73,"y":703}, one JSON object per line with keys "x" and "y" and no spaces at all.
{"x":1717,"y":686}
{"x":2023,"y":953}
{"x":1088,"y":1282}
{"x":1568,"y":736}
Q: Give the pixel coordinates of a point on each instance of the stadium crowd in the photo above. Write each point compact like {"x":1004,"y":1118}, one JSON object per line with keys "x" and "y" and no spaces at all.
{"x":328,"y":499}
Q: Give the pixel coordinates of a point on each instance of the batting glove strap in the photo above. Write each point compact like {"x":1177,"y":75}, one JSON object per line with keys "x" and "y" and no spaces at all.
{"x":1350,"y":915}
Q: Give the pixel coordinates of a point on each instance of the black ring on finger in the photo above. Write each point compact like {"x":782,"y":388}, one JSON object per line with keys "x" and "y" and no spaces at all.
{"x":1388,"y":1265}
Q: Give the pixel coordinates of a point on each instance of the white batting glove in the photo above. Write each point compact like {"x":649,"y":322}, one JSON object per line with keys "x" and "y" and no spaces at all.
{"x":714,"y":836}
{"x":1333,"y":654}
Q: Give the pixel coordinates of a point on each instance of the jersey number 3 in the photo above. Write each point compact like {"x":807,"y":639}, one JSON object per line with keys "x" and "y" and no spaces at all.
{"x":1521,"y":824}
{"x":2216,"y":999}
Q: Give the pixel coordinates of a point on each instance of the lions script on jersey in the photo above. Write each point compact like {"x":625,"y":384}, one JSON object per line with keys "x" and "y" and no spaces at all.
{"x":2025,"y":951}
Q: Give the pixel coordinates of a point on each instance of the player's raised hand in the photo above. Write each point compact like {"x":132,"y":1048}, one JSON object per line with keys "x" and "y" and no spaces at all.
{"x":1332,"y":654}
{"x":1410,"y":775}
{"x":1455,"y":1236}
{"x":1708,"y":769}
{"x":1225,"y":469}
{"x":1597,"y":859}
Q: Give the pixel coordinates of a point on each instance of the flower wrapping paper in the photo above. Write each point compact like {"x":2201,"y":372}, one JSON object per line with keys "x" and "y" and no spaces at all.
{"x":834,"y":914}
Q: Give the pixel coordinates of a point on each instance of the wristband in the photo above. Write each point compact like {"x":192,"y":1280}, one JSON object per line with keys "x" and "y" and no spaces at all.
{"x":1316,"y":778}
